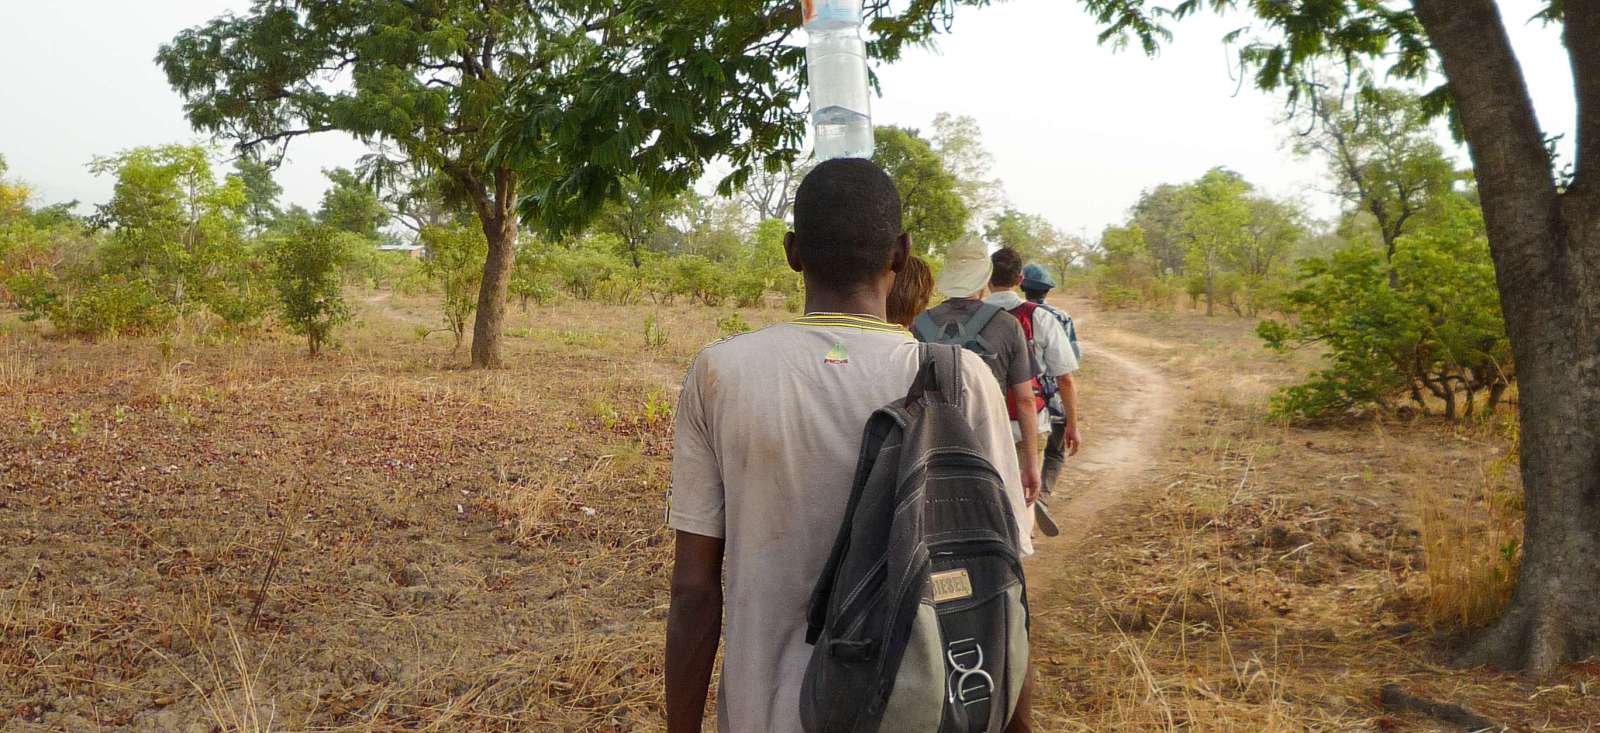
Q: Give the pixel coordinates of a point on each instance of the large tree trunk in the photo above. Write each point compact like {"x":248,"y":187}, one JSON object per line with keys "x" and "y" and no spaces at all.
{"x":499,"y":220}
{"x":486,"y":329}
{"x":1546,"y":248}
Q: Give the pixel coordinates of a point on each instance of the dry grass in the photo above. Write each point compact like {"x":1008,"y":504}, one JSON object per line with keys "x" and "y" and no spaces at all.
{"x":1471,"y":545}
{"x":464,"y":551}
{"x":448,"y":549}
{"x":1273,"y":578}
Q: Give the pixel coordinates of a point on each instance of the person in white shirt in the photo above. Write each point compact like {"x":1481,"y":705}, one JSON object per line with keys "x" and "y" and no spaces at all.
{"x":1063,"y":400}
{"x":1053,"y":360}
{"x":768,"y":433}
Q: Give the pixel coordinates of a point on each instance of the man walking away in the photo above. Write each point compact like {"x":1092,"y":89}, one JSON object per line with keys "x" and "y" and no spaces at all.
{"x":769,"y":428}
{"x":965,"y":319}
{"x":1061,"y":394}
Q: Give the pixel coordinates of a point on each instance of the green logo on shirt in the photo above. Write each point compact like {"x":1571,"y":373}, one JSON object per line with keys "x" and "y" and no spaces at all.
{"x":837,"y":355}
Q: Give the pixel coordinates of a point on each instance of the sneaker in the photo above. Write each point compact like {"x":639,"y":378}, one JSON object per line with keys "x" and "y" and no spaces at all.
{"x":1043,"y":520}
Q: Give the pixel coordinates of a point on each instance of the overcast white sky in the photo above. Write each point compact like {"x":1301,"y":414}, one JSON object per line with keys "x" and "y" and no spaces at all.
{"x":1077,"y":130}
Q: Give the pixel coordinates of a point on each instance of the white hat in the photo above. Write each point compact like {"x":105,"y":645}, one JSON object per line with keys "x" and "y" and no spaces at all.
{"x":967,"y":268}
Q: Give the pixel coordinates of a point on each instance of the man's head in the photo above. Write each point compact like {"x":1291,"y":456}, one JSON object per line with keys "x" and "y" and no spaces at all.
{"x":847,"y":228}
{"x":1007,"y":269}
{"x":1036,"y":282}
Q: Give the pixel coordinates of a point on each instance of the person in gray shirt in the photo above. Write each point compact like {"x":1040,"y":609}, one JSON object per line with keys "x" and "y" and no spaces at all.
{"x":964,"y":281}
{"x":768,"y":431}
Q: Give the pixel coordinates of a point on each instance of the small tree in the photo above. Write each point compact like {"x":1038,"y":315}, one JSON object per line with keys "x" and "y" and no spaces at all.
{"x":958,"y":141}
{"x":455,"y":263}
{"x":532,"y":278}
{"x":350,"y":205}
{"x":305,"y":270}
{"x":1384,"y":156}
{"x":1031,"y":235}
{"x":1213,"y":223}
{"x":261,"y":192}
{"x":639,"y":220}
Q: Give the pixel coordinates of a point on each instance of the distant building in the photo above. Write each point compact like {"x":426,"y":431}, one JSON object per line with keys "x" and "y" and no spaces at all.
{"x":414,"y":251}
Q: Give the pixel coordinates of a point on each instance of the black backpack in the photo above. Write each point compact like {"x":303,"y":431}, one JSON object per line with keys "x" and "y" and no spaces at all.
{"x":919,"y":620}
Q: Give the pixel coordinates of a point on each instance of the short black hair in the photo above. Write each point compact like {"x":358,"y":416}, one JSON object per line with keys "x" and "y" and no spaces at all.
{"x":846,"y":221}
{"x":1035,"y":294}
{"x":1007,"y":268}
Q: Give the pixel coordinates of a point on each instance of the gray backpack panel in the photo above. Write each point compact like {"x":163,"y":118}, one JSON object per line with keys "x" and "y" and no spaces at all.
{"x":920,"y":619}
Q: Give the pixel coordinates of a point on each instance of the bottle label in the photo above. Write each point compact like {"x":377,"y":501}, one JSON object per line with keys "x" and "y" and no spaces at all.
{"x":830,"y":12}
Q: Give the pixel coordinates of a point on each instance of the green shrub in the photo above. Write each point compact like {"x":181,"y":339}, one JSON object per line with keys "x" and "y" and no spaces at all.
{"x":36,"y":292}
{"x":1117,"y":297}
{"x":733,"y":324}
{"x":455,"y":263}
{"x":113,"y":305}
{"x":584,"y":271}
{"x":306,"y":273}
{"x":532,"y":279}
{"x":700,"y":278}
{"x":1436,"y":331}
{"x":655,"y":336}
{"x":749,"y":288}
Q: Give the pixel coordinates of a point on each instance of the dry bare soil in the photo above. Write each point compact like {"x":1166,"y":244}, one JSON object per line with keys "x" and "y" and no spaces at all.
{"x":200,"y":533}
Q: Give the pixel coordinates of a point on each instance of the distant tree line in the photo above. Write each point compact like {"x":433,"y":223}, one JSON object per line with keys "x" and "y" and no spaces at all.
{"x":179,"y":239}
{"x":1398,"y":293}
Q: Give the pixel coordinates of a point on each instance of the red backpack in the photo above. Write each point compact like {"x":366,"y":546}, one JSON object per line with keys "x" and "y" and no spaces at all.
{"x":1024,"y":314}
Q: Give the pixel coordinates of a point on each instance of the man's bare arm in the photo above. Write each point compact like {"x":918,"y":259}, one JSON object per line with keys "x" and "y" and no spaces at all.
{"x":1069,"y":403}
{"x":694,"y":625}
{"x":1022,"y":403}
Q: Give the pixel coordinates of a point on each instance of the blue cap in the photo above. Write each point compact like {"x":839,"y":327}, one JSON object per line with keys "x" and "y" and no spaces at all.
{"x":1034,"y":277}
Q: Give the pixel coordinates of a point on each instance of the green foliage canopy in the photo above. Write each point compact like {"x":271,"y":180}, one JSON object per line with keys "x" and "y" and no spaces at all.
{"x":930,"y":195}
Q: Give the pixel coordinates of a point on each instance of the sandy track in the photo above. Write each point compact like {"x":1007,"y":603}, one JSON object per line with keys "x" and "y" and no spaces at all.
{"x":1128,"y":408}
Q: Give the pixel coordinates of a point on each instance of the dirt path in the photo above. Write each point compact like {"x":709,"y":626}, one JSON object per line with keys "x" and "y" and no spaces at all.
{"x":1128,"y":407}
{"x":383,"y":305}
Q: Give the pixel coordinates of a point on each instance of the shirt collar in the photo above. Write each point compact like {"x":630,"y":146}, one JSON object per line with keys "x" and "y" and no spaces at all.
{"x":1006,"y":299}
{"x":847,"y":320}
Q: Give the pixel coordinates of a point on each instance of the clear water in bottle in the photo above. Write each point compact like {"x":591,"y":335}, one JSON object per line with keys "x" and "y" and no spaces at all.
{"x":836,"y":62}
{"x":842,"y":133}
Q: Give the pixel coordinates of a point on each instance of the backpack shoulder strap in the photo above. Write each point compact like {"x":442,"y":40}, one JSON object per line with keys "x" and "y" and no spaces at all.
{"x":925,"y":329}
{"x":1024,"y":314}
{"x":877,"y":431}
{"x":979,"y":320}
{"x":947,"y":373}
{"x":939,"y":376}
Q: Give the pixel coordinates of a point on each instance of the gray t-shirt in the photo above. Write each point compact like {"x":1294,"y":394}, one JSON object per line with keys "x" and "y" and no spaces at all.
{"x":769,"y":429}
{"x":1012,"y":365}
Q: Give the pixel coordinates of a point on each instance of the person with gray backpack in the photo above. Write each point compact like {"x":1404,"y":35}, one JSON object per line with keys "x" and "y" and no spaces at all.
{"x":920,"y":618}
{"x":769,"y":433}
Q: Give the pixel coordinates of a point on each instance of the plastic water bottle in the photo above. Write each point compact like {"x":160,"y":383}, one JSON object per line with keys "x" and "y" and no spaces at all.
{"x":836,"y":61}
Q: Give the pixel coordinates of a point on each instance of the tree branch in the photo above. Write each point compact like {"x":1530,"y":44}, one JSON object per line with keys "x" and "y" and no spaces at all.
{"x":284,"y":135}
{"x":1582,"y":36}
